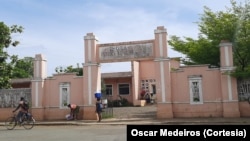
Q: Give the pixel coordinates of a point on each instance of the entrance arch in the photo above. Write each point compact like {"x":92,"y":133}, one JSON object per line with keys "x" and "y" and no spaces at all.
{"x":152,"y":51}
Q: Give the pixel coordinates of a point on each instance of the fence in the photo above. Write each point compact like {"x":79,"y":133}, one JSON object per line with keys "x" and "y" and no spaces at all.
{"x":9,"y":97}
{"x":243,"y":89}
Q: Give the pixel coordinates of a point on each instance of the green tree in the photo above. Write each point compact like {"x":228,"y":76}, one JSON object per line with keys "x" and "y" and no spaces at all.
{"x":232,"y":25}
{"x":23,"y":68}
{"x":70,"y":69}
{"x":6,"y":40}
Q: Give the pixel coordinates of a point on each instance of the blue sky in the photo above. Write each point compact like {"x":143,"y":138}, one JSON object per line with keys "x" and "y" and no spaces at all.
{"x":55,"y":28}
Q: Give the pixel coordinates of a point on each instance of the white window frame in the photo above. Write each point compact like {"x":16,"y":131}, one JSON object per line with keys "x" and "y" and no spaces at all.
{"x":198,"y":80}
{"x":64,"y":95}
{"x":112,"y":91}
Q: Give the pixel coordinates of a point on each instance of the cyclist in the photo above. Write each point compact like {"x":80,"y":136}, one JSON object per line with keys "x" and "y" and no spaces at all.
{"x":23,"y":109}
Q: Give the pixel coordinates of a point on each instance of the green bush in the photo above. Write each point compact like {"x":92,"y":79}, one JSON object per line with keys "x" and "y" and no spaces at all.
{"x":122,"y":102}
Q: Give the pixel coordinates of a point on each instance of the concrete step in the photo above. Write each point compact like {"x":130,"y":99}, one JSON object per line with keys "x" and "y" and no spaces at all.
{"x":135,"y":112}
{"x":143,"y":115}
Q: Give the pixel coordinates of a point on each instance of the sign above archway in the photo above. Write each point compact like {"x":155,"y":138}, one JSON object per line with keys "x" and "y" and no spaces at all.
{"x":126,"y":51}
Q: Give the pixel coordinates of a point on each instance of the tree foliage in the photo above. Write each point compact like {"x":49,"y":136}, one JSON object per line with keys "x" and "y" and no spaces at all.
{"x":232,"y":25}
{"x":6,"y":41}
{"x":70,"y":69}
{"x":23,"y":68}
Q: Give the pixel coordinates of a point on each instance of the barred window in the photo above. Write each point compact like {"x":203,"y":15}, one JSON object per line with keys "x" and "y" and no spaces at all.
{"x":64,"y":94}
{"x":123,"y":89}
{"x":195,"y":84}
{"x":109,"y":90}
{"x":243,"y":89}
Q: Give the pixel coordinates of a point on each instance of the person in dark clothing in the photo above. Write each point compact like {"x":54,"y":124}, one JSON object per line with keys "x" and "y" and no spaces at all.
{"x":98,"y":110}
{"x":23,"y":109}
{"x":148,"y":97}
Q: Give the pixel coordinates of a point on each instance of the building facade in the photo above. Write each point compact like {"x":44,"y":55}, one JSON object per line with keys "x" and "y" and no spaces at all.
{"x":177,"y":91}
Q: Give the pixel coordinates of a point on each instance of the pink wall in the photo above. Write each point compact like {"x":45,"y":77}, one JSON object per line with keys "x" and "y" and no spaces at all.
{"x":52,"y":89}
{"x":147,"y":69}
{"x":52,"y":94}
{"x":211,"y":107}
{"x":244,"y":109}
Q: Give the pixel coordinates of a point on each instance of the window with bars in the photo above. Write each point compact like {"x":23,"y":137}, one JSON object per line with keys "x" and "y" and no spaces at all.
{"x":243,"y":89}
{"x":64,"y":94}
{"x":195,"y":85}
{"x":149,"y":85}
{"x":109,"y":90}
{"x":123,"y":89}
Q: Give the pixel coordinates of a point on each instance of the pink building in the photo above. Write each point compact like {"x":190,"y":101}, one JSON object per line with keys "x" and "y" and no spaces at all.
{"x":178,"y":91}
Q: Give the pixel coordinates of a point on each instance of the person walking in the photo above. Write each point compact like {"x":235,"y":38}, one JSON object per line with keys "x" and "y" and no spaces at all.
{"x":98,"y":110}
{"x":74,"y":110}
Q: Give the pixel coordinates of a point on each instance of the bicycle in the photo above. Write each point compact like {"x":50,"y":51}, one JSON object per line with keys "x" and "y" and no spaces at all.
{"x":28,"y":121}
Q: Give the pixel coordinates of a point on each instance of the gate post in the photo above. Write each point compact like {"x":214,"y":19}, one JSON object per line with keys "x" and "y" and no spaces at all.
{"x":163,"y":79}
{"x":37,"y":93}
{"x":228,"y":83}
{"x":91,"y":76}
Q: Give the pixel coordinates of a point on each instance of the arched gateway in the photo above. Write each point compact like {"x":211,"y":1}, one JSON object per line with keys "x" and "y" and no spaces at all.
{"x":172,"y":100}
{"x":152,"y":51}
